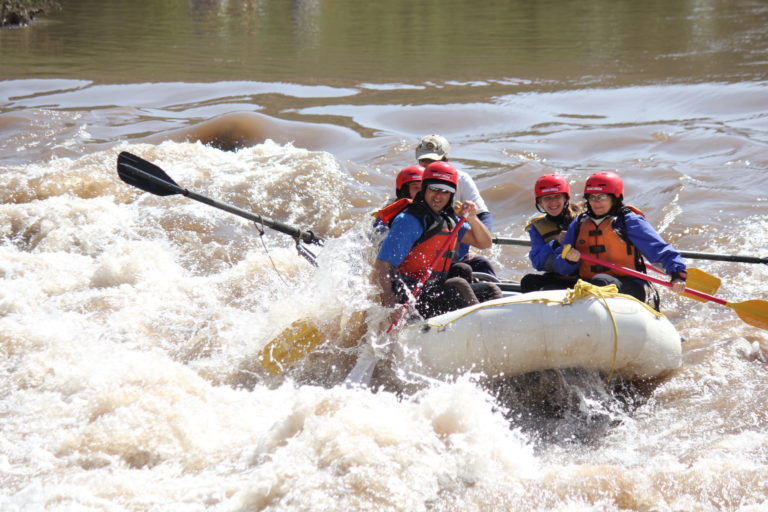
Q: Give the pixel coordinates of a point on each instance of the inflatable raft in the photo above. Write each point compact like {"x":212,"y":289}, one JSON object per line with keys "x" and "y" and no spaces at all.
{"x":586,"y":327}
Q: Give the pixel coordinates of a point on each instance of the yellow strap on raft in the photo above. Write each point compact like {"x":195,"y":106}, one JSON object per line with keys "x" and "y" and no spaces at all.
{"x":584,"y":289}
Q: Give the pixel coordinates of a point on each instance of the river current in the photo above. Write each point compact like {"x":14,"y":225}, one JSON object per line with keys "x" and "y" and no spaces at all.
{"x":131,"y":324}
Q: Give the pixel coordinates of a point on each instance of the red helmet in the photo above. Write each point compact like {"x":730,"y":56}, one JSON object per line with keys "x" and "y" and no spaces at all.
{"x":407,"y":175}
{"x":551,"y":184}
{"x":606,"y":182}
{"x":441,"y":173}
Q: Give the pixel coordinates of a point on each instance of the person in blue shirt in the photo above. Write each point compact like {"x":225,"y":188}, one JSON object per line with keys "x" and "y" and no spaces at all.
{"x":618,"y":234}
{"x":552,"y":195}
{"x":416,"y":235}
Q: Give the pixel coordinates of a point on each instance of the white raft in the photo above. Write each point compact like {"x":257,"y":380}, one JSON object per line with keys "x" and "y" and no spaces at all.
{"x":588,"y":327}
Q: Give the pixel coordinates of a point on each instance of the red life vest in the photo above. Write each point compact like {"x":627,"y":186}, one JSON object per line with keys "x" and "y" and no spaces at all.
{"x":603,"y":241}
{"x":389,"y":212}
{"x":423,"y":253}
{"x":428,"y":245}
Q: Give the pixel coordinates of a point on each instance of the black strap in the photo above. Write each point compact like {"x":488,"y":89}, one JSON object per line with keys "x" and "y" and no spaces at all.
{"x":548,"y":234}
{"x":433,"y":224}
{"x":620,"y":226}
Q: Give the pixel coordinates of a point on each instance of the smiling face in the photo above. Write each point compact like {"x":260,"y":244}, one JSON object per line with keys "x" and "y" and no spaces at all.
{"x":436,"y":199}
{"x":600,"y":203}
{"x":553,"y":203}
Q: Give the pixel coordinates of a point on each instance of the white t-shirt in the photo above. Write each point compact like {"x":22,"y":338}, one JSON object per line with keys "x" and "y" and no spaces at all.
{"x":468,"y":192}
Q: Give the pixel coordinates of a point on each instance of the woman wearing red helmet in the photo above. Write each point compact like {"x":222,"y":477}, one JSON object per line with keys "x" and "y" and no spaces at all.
{"x":552,"y":195}
{"x":408,"y":182}
{"x":416,"y":234}
{"x":407,"y":185}
{"x":619,"y":234}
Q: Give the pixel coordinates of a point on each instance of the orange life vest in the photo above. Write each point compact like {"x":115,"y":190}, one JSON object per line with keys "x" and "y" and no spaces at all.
{"x":428,"y":245}
{"x":603,"y":241}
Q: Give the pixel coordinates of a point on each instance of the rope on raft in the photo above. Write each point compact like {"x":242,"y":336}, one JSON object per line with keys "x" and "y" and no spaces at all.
{"x":584,"y":289}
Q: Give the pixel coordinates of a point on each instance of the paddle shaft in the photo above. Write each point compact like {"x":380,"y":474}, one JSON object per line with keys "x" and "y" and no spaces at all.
{"x":140,"y":174}
{"x":753,"y":312}
{"x":685,"y":254}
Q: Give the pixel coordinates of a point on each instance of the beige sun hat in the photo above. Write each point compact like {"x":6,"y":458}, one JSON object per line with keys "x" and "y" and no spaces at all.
{"x":434,"y":147}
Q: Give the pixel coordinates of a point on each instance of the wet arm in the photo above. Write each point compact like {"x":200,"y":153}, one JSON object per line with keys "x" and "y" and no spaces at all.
{"x":382,"y":277}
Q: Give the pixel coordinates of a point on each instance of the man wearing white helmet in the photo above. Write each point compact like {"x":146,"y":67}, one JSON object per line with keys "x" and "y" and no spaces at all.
{"x":432,"y":148}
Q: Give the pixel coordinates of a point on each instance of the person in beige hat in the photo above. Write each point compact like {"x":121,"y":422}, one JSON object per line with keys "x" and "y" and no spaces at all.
{"x":433,"y":148}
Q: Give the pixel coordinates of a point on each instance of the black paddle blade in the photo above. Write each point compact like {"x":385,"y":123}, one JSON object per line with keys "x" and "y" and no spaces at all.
{"x":139,"y":173}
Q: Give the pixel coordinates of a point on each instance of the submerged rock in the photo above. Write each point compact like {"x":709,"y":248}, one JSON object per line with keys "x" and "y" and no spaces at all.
{"x":21,"y":12}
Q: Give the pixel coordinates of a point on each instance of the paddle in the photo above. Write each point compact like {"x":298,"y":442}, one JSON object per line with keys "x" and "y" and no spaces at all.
{"x":685,"y":254}
{"x":139,"y":173}
{"x":697,"y":280}
{"x":363,"y":371}
{"x":753,"y":312}
{"x":292,"y":344}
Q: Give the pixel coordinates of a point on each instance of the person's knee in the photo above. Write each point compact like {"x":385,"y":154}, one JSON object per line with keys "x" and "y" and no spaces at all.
{"x":460,"y":270}
{"x":487,"y":291}
{"x":530,"y":283}
{"x":605,"y":280}
{"x":480,"y":263}
{"x":463,"y":288}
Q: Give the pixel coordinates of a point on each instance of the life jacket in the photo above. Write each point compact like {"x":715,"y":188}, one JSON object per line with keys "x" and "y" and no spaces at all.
{"x":547,"y":228}
{"x":389,"y":212}
{"x":607,"y":241}
{"x":428,"y":245}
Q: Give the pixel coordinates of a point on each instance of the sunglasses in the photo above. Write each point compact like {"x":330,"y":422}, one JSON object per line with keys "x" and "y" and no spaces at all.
{"x":435,"y":188}
{"x":597,"y":197}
